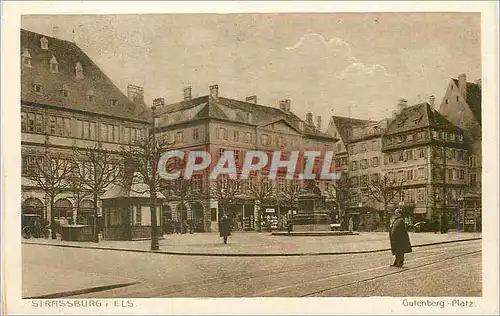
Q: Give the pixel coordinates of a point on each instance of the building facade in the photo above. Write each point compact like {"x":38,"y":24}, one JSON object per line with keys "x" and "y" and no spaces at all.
{"x":67,"y":102}
{"x":216,"y":124}
{"x":428,"y":155}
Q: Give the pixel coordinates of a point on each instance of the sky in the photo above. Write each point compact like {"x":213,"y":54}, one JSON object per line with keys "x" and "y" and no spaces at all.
{"x":352,"y":64}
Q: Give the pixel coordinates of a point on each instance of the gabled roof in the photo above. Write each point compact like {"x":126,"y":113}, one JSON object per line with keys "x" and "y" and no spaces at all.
{"x":68,"y":54}
{"x":284,"y":121}
{"x":419,"y":116}
{"x":232,"y":110}
{"x":473,"y":98}
{"x":344,"y":124}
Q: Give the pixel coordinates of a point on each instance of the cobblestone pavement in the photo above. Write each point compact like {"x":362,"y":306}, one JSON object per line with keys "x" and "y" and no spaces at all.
{"x":264,"y":243}
{"x":452,"y":269}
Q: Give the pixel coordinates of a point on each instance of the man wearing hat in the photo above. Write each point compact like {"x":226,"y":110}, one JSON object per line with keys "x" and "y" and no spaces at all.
{"x":400,"y":241}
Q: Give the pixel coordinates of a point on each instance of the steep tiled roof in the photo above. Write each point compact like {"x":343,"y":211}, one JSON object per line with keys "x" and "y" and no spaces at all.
{"x":232,"y":110}
{"x":67,"y":55}
{"x":418,"y":116}
{"x":344,"y":124}
{"x":473,"y":98}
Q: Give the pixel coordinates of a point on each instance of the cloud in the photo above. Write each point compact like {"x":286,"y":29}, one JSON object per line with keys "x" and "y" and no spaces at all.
{"x":359,"y":68}
{"x":315,"y":37}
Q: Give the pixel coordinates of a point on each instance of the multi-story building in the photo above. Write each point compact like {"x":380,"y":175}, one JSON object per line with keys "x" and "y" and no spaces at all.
{"x":67,"y":102}
{"x":366,"y":165}
{"x":215,"y":124}
{"x":428,"y":154}
{"x":462,"y":106}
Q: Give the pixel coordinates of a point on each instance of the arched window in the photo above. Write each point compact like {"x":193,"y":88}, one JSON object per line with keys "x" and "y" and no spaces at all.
{"x":79,"y":71}
{"x":44,"y":43}
{"x":26,"y":58}
{"x":54,"y":65}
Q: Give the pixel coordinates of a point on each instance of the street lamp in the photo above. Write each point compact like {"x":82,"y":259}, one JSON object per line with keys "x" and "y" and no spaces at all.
{"x":155,"y":245}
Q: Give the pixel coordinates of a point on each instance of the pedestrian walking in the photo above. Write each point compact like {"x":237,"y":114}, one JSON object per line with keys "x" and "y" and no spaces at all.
{"x":224,"y":229}
{"x":351,"y":224}
{"x":400,"y":241}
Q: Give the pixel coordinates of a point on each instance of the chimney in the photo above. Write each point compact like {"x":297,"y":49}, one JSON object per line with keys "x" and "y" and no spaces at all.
{"x":214,"y":91}
{"x":251,"y":99}
{"x":462,"y":85}
{"x":432,"y":100}
{"x":55,"y":31}
{"x":187,"y":93}
{"x":158,"y":102}
{"x":135,"y":93}
{"x":309,"y":119}
{"x":318,"y":122}
{"x":401,"y":105}
{"x":288,"y":105}
{"x":283,"y":106}
{"x":394,"y":114}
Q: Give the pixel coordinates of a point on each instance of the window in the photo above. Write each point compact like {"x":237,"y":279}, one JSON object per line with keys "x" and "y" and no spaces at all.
{"x":222,"y":133}
{"x":410,"y":137}
{"x":450,"y":174}
{"x":30,"y":164}
{"x":111,"y":132}
{"x":91,"y":96}
{"x":375,"y":178}
{"x":354,"y":165}
{"x":460,"y":154}
{"x":462,"y":174}
{"x":409,"y":175}
{"x":44,"y":43}
{"x":460,"y":138}
{"x":87,"y":129}
{"x":248,"y":138}
{"x":364,"y":180}
{"x":281,"y":185}
{"x":265,"y":139}
{"x":400,"y":176}
{"x":355,"y":181}
{"x":391,"y":158}
{"x":236,"y":136}
{"x":26,"y":58}
{"x":197,"y":183}
{"x":363,"y":147}
{"x":126,"y":135}
{"x":24,"y":122}
{"x":375,"y":162}
{"x":421,"y":153}
{"x":421,"y":195}
{"x":213,"y":214}
{"x":196,"y":133}
{"x":364,"y":163}
{"x":391,"y":176}
{"x":454,"y":174}
{"x":116,"y":132}
{"x":437,"y":173}
{"x":54,"y":65}
{"x":472,"y":161}
{"x":221,"y":152}
{"x":375,"y":145}
{"x":401,"y":138}
{"x":138,"y":215}
{"x":38,"y":88}
{"x":421,"y":173}
{"x":472,"y":179}
{"x":409,"y":154}
{"x":401,"y":156}
{"x":389,"y":140}
{"x":179,"y":137}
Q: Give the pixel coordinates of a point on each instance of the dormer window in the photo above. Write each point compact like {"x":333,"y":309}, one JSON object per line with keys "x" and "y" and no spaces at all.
{"x":44,"y":43}
{"x":26,"y":58}
{"x":38,"y":88}
{"x":54,"y":65}
{"x":114,"y":102}
{"x":91,"y":95}
{"x":64,"y":91}
{"x":79,"y":71}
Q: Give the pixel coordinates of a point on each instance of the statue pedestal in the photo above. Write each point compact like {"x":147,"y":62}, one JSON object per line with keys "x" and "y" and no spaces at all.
{"x":311,"y":215}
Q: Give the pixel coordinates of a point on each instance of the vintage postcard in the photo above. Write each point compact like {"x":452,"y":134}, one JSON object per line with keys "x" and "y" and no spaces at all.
{"x":250,"y":158}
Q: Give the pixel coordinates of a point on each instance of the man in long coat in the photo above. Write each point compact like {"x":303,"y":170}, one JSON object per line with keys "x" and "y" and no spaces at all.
{"x":224,"y":229}
{"x":400,"y":241}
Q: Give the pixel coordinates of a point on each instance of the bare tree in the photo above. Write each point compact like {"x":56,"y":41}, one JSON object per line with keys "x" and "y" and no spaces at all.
{"x":50,"y":175}
{"x":343,"y":188}
{"x":141,"y":161}
{"x":178,"y":190}
{"x":260,"y":191}
{"x":77,"y":186}
{"x":98,"y":168}
{"x":288,"y":197}
{"x":224,"y":190}
{"x":384,"y":190}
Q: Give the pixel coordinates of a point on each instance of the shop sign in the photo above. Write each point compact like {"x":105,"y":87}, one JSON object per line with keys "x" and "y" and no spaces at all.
{"x":270,"y":210}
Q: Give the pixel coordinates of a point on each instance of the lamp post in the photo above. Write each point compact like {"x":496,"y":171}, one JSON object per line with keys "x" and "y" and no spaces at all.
{"x":154,"y":224}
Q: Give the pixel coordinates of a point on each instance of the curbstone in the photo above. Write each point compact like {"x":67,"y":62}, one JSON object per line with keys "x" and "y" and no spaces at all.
{"x":208,"y":254}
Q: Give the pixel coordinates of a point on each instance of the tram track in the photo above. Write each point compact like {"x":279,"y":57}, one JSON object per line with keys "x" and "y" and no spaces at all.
{"x":314,"y":293}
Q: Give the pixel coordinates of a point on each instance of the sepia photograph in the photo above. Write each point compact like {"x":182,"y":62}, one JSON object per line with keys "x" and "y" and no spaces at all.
{"x":251,"y":155}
